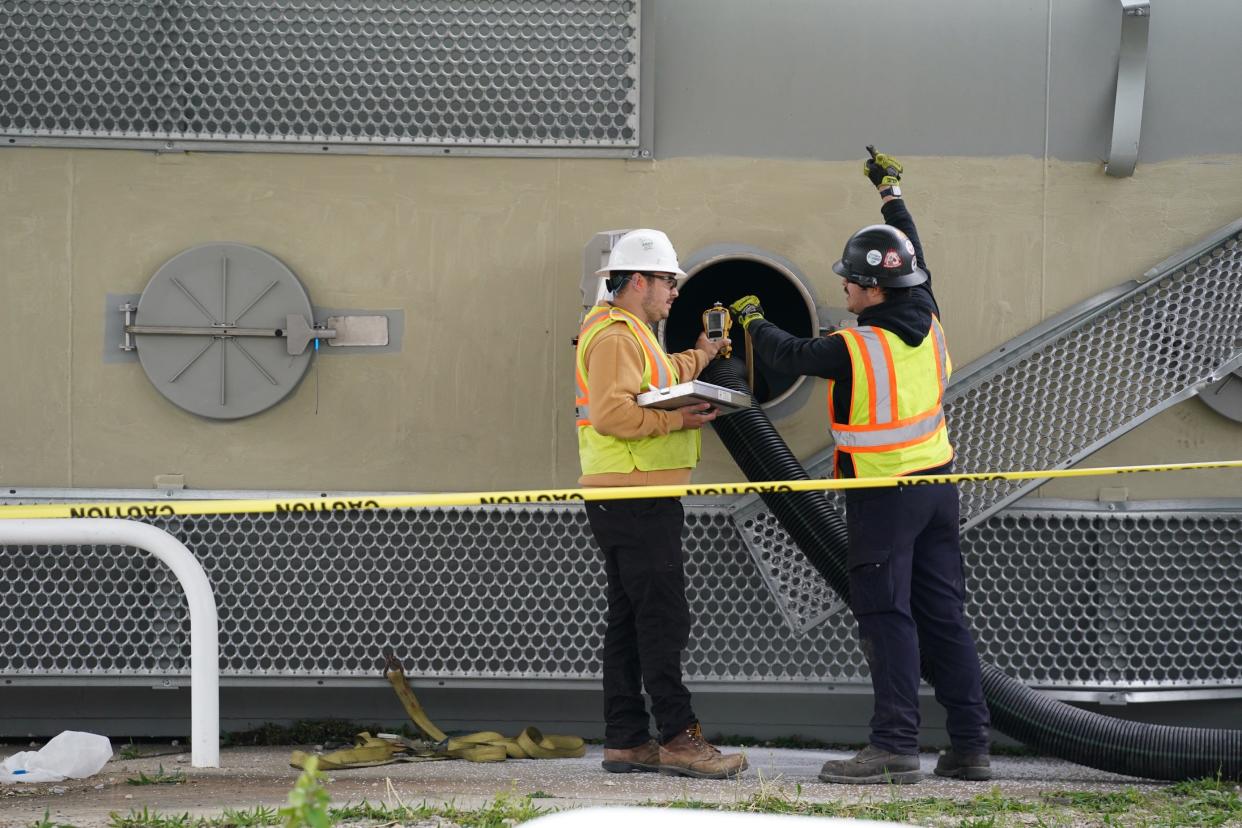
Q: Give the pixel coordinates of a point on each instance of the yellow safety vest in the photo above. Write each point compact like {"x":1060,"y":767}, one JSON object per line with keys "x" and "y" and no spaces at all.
{"x":600,"y":454}
{"x":896,"y":419}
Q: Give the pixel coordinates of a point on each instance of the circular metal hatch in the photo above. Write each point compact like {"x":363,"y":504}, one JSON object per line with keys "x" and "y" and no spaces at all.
{"x":1225,"y":397}
{"x":223,"y":286}
{"x":725,"y":272}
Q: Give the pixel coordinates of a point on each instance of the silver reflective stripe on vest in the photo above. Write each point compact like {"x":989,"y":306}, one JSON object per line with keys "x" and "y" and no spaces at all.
{"x":882,"y":392}
{"x":890,"y":436}
{"x":943,"y":351}
{"x":584,"y":412}
{"x":660,"y":376}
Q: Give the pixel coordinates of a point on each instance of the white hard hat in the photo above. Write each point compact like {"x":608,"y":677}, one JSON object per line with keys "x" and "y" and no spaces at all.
{"x":647,"y":251}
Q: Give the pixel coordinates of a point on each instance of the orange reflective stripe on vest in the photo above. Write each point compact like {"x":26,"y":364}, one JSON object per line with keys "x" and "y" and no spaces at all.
{"x":658,"y":369}
{"x":592,"y":319}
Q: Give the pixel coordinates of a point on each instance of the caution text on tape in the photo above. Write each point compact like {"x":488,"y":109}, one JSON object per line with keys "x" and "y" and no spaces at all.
{"x":157,"y":509}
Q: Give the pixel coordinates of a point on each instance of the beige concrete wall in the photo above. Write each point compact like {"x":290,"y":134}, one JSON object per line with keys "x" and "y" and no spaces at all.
{"x":458,"y":243}
{"x":36,"y":228}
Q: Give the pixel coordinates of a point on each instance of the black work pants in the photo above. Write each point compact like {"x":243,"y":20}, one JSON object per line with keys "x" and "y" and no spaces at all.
{"x":648,"y":618}
{"x":907,"y":594}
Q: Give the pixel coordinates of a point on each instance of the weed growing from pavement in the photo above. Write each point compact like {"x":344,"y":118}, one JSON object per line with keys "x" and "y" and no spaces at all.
{"x":161,"y":777}
{"x":249,"y":817}
{"x":308,"y":799}
{"x":502,"y":811}
{"x":47,"y":822}
{"x":130,"y":751}
{"x":150,"y":819}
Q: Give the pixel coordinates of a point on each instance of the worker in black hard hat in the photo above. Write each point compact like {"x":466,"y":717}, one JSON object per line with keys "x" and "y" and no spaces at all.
{"x":886,"y":379}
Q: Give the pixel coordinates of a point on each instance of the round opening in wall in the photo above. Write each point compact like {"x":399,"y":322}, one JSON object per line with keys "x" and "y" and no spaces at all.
{"x":727,"y":273}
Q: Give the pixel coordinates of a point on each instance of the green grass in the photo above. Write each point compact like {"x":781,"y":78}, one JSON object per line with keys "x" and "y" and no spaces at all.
{"x":982,"y":811}
{"x":1206,"y":802}
{"x":160,"y":778}
{"x":1198,"y":804}
{"x":1210,"y":802}
{"x":249,"y":817}
{"x":150,"y":819}
{"x":505,"y":810}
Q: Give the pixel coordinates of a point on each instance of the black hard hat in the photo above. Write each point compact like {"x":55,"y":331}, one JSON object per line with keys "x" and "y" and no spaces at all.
{"x":880,"y":255}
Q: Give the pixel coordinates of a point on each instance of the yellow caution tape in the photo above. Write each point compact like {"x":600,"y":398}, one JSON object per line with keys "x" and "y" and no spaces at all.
{"x":164,"y":508}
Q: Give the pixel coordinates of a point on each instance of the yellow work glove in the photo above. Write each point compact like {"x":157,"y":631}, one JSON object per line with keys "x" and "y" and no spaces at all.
{"x":883,"y":170}
{"x":746,"y":310}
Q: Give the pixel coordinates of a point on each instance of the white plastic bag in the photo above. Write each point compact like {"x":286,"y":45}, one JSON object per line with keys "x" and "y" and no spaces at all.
{"x":71,"y":754}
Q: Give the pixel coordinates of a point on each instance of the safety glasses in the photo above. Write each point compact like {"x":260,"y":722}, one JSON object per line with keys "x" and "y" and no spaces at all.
{"x":666,"y":278}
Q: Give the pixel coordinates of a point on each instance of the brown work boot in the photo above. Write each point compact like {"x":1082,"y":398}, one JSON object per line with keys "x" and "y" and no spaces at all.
{"x":689,"y":754}
{"x":644,"y":758}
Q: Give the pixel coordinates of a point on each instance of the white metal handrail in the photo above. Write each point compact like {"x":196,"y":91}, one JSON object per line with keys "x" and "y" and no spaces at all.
{"x":204,"y":623}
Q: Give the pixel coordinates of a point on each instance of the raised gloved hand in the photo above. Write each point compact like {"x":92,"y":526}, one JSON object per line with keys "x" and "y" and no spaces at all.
{"x":883,"y":170}
{"x":746,"y":310}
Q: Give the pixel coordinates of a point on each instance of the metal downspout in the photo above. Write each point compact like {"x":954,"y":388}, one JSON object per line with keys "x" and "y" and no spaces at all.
{"x":1131,"y":85}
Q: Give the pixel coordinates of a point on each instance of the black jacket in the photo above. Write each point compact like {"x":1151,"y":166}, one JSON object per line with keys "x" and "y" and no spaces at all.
{"x":908,"y":316}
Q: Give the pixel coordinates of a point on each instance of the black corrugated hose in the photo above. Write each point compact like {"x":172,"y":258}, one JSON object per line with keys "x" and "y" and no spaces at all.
{"x":1045,"y":724}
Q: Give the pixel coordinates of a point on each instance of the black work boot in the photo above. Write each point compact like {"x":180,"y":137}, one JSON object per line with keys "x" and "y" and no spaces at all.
{"x":872,"y":766}
{"x":975,"y":767}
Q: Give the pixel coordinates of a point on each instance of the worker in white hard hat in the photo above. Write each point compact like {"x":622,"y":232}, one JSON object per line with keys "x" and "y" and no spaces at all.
{"x":623,"y":444}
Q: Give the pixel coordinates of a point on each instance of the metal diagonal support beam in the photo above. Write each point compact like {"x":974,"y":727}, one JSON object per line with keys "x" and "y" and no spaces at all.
{"x":1131,"y":84}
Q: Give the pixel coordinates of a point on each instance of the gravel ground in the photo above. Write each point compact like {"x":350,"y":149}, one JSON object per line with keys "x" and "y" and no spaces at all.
{"x":261,"y":776}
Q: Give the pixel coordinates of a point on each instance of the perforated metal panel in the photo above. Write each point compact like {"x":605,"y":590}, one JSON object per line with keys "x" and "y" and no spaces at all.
{"x":482,"y":73}
{"x":1063,"y":598}
{"x":1061,"y":391}
{"x":800,"y":592}
{"x":1075,"y":387}
{"x":1087,"y":598}
{"x":466,"y":593}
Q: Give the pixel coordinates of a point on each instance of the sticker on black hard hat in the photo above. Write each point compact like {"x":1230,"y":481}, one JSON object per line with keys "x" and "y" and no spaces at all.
{"x":910,"y":247}
{"x":874,"y":257}
{"x":892,"y":260}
